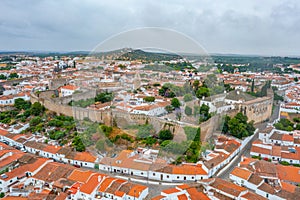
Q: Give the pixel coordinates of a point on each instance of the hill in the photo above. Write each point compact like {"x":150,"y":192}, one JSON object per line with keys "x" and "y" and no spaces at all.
{"x":144,"y":56}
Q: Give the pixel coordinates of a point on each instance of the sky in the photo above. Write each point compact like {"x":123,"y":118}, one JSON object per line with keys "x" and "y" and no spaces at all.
{"x":254,"y":27}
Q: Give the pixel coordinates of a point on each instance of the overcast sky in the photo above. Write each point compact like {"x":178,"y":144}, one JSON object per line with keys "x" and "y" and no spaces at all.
{"x":268,"y":27}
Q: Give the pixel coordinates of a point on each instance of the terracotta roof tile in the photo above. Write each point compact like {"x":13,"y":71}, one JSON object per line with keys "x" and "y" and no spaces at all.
{"x":252,"y":196}
{"x":80,"y":175}
{"x":195,"y":194}
{"x":242,"y":173}
{"x":92,"y":183}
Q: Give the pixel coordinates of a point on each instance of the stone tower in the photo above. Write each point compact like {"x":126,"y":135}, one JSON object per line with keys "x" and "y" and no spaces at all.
{"x":137,"y":80}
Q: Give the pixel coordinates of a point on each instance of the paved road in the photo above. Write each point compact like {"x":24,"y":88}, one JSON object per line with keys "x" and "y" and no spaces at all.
{"x":246,"y":150}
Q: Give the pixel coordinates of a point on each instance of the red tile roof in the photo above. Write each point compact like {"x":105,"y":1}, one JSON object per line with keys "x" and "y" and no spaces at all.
{"x":92,"y":183}
{"x":242,"y":173}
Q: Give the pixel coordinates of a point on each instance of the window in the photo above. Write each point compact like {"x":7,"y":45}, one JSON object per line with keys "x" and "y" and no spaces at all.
{"x":153,"y":174}
{"x":177,"y":177}
{"x":167,"y":176}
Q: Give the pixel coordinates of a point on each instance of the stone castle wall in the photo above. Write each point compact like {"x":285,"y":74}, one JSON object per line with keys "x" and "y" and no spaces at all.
{"x":78,"y":113}
{"x":258,"y":110}
{"x":86,"y":94}
{"x":123,"y":119}
{"x":58,"y":82}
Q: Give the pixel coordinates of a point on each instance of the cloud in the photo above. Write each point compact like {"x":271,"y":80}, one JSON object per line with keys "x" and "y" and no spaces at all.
{"x":231,"y":26}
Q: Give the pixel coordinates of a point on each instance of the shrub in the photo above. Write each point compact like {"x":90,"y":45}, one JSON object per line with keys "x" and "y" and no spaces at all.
{"x":165,"y":143}
{"x":285,"y":163}
{"x":150,"y":141}
{"x":256,"y":157}
{"x":188,"y":97}
{"x":149,"y":99}
{"x":126,"y":137}
{"x":165,"y":135}
{"x":188,"y":110}
{"x":107,"y":130}
{"x":35,"y":121}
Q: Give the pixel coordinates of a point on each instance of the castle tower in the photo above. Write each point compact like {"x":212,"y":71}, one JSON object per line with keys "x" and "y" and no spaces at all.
{"x":137,"y":80}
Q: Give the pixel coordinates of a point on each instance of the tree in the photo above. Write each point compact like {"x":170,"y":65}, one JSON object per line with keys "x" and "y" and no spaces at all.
{"x":196,"y":85}
{"x":250,"y":127}
{"x":2,"y":77}
{"x":204,"y":113}
{"x":278,"y":97}
{"x":169,"y":108}
{"x":202,"y":92}
{"x":228,"y":88}
{"x":21,"y":104}
{"x":188,"y":110}
{"x":37,"y":109}
{"x":149,"y":99}
{"x":218,"y":89}
{"x":35,"y":121}
{"x":175,"y":103}
{"x":59,"y":135}
{"x":242,"y":118}
{"x":150,"y":141}
{"x":239,"y":127}
{"x":284,"y":124}
{"x":122,"y":66}
{"x":178,"y":113}
{"x":107,"y":130}
{"x":252,"y":86}
{"x":166,"y":91}
{"x":225,"y":128}
{"x":13,"y":75}
{"x":296,"y":119}
{"x":296,"y":79}
{"x":187,"y":97}
{"x":165,"y":135}
{"x":78,"y":144}
{"x":104,"y":97}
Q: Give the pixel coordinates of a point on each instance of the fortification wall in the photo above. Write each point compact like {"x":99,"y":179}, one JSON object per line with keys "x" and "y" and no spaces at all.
{"x":76,"y":97}
{"x":210,"y":126}
{"x":56,"y":83}
{"x":123,"y":119}
{"x":76,"y":112}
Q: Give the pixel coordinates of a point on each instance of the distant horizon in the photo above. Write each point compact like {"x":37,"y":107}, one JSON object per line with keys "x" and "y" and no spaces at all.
{"x":87,"y":51}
